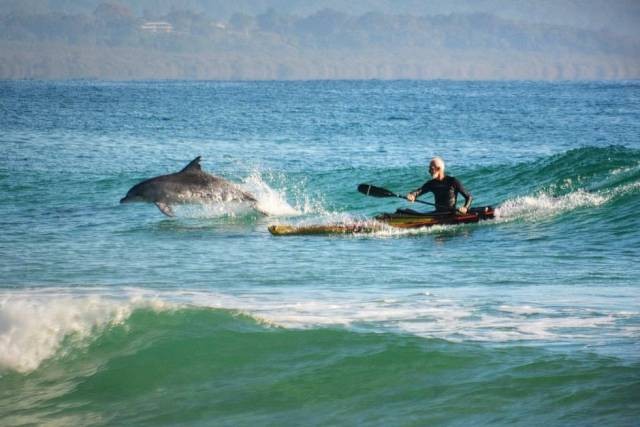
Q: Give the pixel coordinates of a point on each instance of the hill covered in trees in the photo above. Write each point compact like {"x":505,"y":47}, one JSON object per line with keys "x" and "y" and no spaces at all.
{"x":618,"y":16}
{"x":115,"y":41}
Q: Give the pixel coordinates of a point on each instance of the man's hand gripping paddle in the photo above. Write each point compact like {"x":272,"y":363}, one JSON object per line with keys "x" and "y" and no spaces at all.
{"x":371,"y":190}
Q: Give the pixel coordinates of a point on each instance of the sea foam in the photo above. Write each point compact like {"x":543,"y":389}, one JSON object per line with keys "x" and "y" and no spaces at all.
{"x":545,"y":205}
{"x":34,"y":324}
{"x":38,"y":325}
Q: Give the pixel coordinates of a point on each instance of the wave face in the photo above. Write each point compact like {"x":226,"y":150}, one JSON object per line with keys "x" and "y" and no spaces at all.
{"x":194,"y":365}
{"x":115,"y":315}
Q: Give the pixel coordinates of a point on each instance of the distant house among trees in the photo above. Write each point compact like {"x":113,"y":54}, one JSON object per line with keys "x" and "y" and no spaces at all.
{"x":157,"y":27}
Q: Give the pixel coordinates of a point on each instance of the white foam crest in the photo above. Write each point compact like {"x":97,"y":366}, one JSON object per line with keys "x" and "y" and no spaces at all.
{"x":33,"y":325}
{"x":384,"y":230}
{"x":625,"y":170}
{"x":426,"y":315}
{"x":627,"y":188}
{"x":524,"y":309}
{"x":389,"y":231}
{"x":549,"y":327}
{"x":545,"y":205}
{"x":327,"y":309}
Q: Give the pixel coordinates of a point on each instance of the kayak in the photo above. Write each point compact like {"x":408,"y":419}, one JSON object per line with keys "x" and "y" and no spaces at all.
{"x":402,"y":218}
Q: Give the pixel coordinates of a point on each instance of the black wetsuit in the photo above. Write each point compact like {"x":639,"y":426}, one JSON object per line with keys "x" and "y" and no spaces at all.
{"x":445,"y":193}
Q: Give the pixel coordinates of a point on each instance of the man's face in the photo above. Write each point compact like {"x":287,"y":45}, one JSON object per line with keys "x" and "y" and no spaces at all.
{"x":433,"y":169}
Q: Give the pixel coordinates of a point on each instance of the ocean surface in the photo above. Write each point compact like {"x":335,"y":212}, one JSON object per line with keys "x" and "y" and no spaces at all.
{"x":114,"y":314}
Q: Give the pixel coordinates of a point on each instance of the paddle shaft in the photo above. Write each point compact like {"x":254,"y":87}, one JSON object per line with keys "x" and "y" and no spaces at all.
{"x":416,"y":200}
{"x":372,"y":190}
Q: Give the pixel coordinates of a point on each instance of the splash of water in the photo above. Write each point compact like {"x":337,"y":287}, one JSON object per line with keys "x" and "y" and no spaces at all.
{"x":544,"y":205}
{"x":271,"y":201}
{"x":274,"y":202}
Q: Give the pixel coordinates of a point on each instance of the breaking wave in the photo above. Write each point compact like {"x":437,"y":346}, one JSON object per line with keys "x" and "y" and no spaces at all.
{"x":38,"y":325}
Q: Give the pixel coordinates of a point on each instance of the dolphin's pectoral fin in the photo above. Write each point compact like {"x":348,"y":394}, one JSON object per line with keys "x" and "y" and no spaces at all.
{"x":165,"y":209}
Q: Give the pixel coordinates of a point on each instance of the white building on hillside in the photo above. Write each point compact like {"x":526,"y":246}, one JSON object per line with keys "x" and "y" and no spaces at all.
{"x":157,"y":27}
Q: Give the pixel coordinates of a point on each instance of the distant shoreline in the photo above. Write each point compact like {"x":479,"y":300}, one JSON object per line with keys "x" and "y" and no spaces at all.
{"x":115,"y":44}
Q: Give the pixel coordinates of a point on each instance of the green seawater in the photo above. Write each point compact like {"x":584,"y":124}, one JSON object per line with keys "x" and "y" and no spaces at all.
{"x":117,"y":315}
{"x":224,"y":368}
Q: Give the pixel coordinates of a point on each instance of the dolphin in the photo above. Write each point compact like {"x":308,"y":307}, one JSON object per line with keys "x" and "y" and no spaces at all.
{"x":190,"y":185}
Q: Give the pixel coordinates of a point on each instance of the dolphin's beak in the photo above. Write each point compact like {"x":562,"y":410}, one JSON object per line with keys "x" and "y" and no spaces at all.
{"x":124,"y":200}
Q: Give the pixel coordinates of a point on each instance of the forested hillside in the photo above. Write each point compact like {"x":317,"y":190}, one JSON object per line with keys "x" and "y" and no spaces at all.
{"x":115,"y":41}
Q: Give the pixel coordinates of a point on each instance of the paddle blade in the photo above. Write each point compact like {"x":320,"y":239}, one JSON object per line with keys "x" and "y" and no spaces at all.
{"x":374,"y":191}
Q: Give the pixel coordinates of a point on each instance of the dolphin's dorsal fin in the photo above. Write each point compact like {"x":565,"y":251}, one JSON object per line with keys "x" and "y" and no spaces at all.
{"x":194,"y":165}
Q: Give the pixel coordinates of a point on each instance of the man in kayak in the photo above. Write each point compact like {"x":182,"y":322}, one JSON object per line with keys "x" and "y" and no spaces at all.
{"x":445,"y":189}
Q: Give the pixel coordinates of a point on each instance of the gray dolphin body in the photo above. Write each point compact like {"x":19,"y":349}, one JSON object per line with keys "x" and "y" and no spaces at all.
{"x":190,"y":185}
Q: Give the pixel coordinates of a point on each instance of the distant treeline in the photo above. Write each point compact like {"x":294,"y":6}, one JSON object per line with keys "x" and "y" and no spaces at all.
{"x":114,"y":43}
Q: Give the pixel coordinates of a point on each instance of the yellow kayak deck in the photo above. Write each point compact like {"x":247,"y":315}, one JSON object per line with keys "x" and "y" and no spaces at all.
{"x":400,"y":219}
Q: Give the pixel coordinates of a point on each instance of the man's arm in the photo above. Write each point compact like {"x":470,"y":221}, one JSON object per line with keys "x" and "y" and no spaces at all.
{"x":467,"y":196}
{"x":413,"y":195}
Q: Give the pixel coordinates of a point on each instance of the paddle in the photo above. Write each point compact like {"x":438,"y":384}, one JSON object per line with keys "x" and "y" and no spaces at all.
{"x":371,"y":190}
